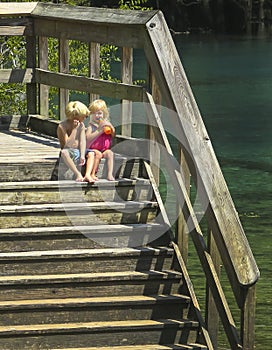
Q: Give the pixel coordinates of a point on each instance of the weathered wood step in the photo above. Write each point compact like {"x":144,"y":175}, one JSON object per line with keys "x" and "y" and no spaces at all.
{"x":84,"y":260}
{"x":43,"y":167}
{"x":16,"y":312}
{"x":77,"y":213}
{"x":112,"y":333}
{"x":38,"y":192}
{"x":79,"y":237}
{"x":71,"y":285}
{"x":144,"y":347}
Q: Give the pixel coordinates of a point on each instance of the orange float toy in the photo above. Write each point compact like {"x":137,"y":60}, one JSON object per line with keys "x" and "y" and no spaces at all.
{"x":107,"y":129}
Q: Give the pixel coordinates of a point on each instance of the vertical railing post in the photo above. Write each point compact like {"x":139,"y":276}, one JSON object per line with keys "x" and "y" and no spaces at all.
{"x":154,"y":151}
{"x":94,"y":66}
{"x":248,"y":318}
{"x":43,"y":64}
{"x":182,"y":234}
{"x":31,"y":88}
{"x":127,"y":72}
{"x":212,"y":315}
{"x":63,"y":68}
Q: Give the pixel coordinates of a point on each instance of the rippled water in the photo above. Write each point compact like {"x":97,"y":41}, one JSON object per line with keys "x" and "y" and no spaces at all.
{"x":231,"y":78}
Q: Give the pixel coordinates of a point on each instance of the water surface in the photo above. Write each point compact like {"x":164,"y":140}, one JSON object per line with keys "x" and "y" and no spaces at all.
{"x":231,"y":78}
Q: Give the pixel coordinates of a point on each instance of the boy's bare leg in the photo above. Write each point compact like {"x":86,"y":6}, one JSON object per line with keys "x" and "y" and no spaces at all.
{"x":70,"y":163}
{"x":109,"y":155}
{"x":89,"y":167}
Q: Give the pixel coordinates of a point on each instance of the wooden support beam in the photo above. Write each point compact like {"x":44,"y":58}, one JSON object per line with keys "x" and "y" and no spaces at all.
{"x":94,"y":66}
{"x":23,"y":76}
{"x":31,"y":88}
{"x":43,"y":64}
{"x":17,"y":8}
{"x":63,"y":68}
{"x":80,"y":83}
{"x":127,"y":72}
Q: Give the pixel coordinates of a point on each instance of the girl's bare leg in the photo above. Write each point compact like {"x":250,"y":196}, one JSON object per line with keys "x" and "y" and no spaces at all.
{"x":70,"y":163}
{"x":89,"y":167}
{"x":109,"y":155}
{"x":97,"y":158}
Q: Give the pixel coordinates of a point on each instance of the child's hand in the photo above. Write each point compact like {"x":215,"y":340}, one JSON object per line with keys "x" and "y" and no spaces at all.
{"x":82,"y":161}
{"x":77,"y":123}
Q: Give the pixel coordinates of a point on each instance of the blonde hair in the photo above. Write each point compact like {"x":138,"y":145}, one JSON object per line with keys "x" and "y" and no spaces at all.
{"x":75,"y":109}
{"x":99,"y":105}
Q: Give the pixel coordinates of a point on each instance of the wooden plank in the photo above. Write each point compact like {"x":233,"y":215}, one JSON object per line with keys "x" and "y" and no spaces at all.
{"x":16,"y":75}
{"x":181,"y":227}
{"x":80,"y":83}
{"x":94,"y":66}
{"x":194,"y":300}
{"x":44,"y":89}
{"x":16,"y":26}
{"x":154,"y":150}
{"x":127,"y":72}
{"x":222,"y":216}
{"x":81,"y":14}
{"x":17,"y":8}
{"x":248,"y":319}
{"x":18,"y":30}
{"x":63,"y":68}
{"x":211,"y":314}
{"x":195,"y":230}
{"x":31,"y":89}
{"x":118,"y":35}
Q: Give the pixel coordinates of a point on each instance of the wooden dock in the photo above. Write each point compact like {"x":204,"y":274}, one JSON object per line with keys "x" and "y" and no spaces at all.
{"x":35,"y":221}
{"x":25,"y":147}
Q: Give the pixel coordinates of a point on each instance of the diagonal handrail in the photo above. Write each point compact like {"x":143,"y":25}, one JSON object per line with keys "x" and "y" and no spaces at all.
{"x":197,"y":236}
{"x":176,"y":91}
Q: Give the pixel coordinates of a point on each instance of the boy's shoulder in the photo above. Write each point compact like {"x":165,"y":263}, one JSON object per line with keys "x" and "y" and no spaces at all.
{"x":63,"y":124}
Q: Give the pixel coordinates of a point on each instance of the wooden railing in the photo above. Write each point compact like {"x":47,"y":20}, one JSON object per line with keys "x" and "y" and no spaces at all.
{"x":167,"y":86}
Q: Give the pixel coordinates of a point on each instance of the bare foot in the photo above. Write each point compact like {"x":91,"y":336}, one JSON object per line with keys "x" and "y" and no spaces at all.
{"x":94,"y":177}
{"x":110,"y":178}
{"x":79,"y":178}
{"x":89,"y":178}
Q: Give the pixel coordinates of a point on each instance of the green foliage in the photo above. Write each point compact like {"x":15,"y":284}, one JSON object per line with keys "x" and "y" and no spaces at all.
{"x":133,"y":5}
{"x":13,"y":55}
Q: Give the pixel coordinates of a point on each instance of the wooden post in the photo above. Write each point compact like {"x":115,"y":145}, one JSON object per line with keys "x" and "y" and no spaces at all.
{"x":63,"y":68}
{"x":94,"y":66}
{"x":182,"y":234}
{"x":154,"y":151}
{"x":248,"y":319}
{"x":31,"y":90}
{"x":43,"y":64}
{"x":212,"y":315}
{"x":127,"y":72}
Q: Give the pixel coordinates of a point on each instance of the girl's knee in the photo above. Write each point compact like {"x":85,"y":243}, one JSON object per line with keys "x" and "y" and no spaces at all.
{"x":98,"y":155}
{"x":108,"y":153}
{"x":90,"y":155}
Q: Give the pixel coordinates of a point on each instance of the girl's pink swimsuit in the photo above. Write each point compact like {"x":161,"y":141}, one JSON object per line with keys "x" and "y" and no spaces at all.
{"x":101,"y":143}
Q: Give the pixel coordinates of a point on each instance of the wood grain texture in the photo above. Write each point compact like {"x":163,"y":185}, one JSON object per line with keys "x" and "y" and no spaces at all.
{"x":221,"y":214}
{"x":15,"y":8}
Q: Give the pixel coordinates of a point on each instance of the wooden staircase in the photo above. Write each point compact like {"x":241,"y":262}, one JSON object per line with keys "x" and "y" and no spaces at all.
{"x":82,"y":266}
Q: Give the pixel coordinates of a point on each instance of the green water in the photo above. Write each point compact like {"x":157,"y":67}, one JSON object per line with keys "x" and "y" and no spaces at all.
{"x":232,"y":82}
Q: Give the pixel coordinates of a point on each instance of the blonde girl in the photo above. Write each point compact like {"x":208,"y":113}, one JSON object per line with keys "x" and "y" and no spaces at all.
{"x":97,"y":139}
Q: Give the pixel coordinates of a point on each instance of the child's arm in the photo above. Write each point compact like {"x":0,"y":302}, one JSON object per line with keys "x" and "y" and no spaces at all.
{"x":82,"y":143}
{"x":92,"y":132}
{"x":62,"y":136}
{"x":106,"y":122}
